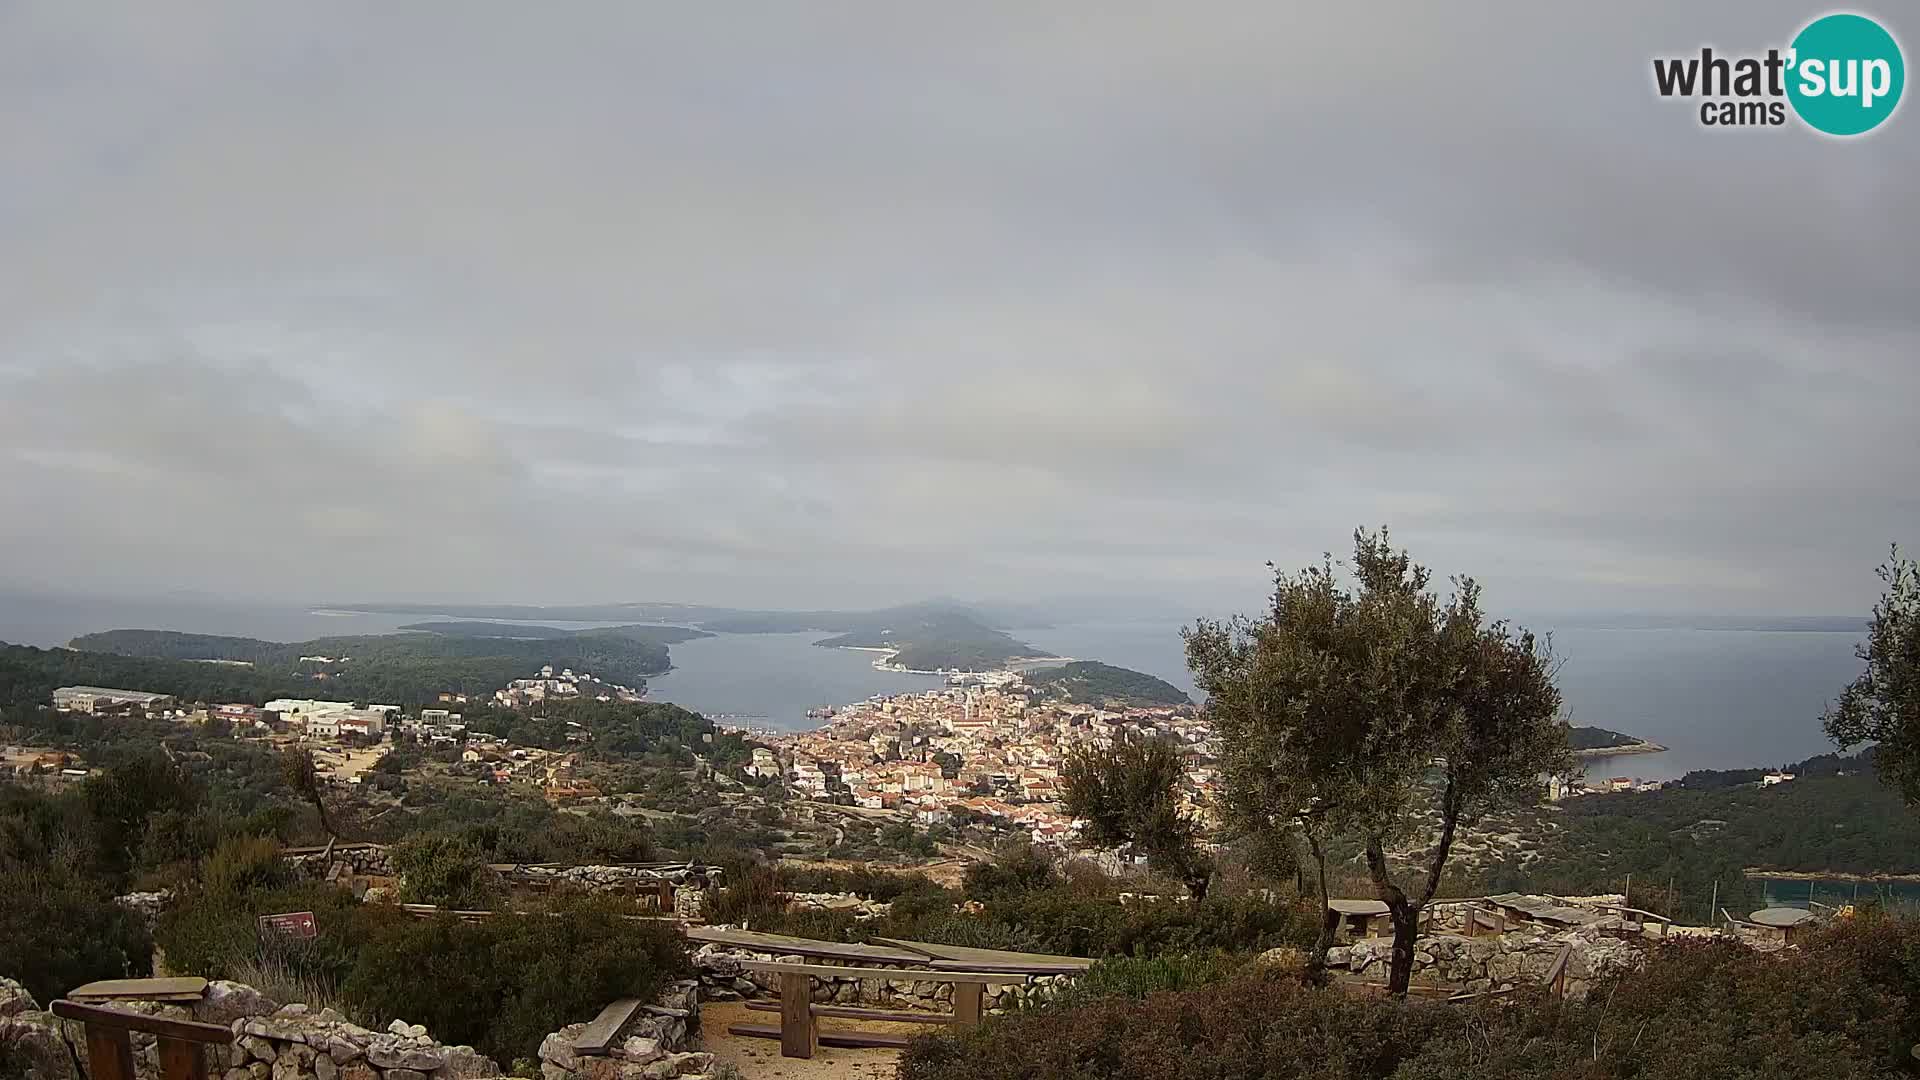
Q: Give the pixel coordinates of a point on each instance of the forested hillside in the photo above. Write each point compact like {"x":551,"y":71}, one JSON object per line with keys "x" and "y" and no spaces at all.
{"x":404,"y":668}
{"x":1090,"y":682}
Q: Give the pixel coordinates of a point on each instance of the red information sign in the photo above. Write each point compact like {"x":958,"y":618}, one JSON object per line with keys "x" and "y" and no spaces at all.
{"x":294,"y":924}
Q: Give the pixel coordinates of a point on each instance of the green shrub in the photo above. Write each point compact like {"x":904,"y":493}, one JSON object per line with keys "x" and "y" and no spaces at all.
{"x":753,"y":898}
{"x":1017,"y":868}
{"x":879,"y":885}
{"x":501,"y":984}
{"x":447,"y":871}
{"x":59,"y":930}
{"x":217,"y":935}
{"x":244,"y":864}
{"x":1133,"y":977}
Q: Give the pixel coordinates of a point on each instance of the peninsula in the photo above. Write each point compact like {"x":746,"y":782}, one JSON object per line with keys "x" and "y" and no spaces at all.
{"x":1589,"y":742}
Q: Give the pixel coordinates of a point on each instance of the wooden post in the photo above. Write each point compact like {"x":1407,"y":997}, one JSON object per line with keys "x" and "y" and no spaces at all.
{"x":109,"y":1053}
{"x":181,"y":1060}
{"x":967,"y":1000}
{"x":666,"y":898}
{"x":798,"y":1039}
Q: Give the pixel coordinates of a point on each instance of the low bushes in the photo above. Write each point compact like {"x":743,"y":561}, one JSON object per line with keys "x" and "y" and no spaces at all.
{"x":217,"y":935}
{"x":1133,"y":977}
{"x":503,"y":983}
{"x":1839,"y":1009}
{"x":447,"y":871}
{"x":1024,"y":905}
{"x":58,"y":930}
{"x":500,"y":984}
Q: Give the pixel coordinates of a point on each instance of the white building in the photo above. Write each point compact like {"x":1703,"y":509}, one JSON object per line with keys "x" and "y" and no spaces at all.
{"x":88,"y":698}
{"x":307,"y":709}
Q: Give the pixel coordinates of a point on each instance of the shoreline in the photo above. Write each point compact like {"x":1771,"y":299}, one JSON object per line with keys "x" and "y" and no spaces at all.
{"x":885,"y":663}
{"x":1641,"y":747}
{"x":1825,"y":875}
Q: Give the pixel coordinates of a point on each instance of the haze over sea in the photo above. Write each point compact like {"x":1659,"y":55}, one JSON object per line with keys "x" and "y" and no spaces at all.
{"x":1716,"y":698}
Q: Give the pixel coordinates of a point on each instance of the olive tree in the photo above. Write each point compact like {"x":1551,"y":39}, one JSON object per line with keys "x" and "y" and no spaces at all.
{"x":1127,"y":794}
{"x":1882,"y":706}
{"x":1377,"y":710}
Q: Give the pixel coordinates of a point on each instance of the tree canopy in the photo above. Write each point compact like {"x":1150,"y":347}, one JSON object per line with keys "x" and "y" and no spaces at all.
{"x":1378,"y":709}
{"x":1882,"y":706}
{"x":1128,"y":795}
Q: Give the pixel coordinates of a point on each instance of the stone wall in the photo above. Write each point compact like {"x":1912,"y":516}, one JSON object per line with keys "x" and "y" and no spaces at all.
{"x":614,"y":878}
{"x":364,"y":860}
{"x":293,"y":1042}
{"x":272,"y":1041}
{"x":652,"y":1046}
{"x":1519,"y":958}
{"x":723,"y":978}
{"x":861,"y":907}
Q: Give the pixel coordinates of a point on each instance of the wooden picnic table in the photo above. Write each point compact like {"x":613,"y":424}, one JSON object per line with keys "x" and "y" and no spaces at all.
{"x":799,"y":1036}
{"x":1783,"y":919}
{"x":1357,"y":915}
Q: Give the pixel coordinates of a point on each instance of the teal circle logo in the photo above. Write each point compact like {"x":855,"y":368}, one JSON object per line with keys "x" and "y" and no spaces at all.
{"x":1845,"y":75}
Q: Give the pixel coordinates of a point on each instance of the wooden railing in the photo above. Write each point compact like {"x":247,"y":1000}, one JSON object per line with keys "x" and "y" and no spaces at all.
{"x":110,"y":1045}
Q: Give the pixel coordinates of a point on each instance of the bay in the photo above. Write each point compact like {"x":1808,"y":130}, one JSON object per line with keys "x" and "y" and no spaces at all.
{"x":1716,"y":698}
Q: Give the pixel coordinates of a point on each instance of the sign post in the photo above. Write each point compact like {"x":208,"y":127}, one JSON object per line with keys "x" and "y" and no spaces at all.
{"x":294,"y":924}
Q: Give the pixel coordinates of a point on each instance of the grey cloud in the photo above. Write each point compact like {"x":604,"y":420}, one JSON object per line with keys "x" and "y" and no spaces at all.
{"x":855,"y":303}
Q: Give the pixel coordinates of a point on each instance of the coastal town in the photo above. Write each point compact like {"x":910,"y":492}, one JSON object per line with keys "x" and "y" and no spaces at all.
{"x":987,"y":747}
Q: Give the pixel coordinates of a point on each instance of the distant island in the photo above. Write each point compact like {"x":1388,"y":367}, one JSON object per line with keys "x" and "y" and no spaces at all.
{"x":1089,"y":682}
{"x":1600,"y":742}
{"x":933,"y":638}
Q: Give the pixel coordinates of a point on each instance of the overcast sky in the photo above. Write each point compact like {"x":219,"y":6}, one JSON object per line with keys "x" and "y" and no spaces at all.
{"x":835,"y":304}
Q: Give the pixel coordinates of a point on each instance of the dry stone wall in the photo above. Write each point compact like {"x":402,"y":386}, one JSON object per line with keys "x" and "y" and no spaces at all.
{"x":294,"y":1042}
{"x":724,"y":978}
{"x":365,"y":860}
{"x":271,"y":1042}
{"x":861,"y":907}
{"x":1520,"y":958}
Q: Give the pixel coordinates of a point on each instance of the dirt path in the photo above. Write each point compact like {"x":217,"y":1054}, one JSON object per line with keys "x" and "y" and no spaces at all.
{"x":759,"y":1059}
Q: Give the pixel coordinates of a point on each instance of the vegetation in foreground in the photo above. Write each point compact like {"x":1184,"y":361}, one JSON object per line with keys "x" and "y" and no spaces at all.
{"x":1840,"y":1009}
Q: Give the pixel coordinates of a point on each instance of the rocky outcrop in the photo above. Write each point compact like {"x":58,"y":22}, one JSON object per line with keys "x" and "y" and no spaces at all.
{"x":1521,"y":958}
{"x":147,"y":905}
{"x":723,"y":978}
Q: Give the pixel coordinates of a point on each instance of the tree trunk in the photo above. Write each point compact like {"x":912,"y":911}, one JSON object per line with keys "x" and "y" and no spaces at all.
{"x":1404,"y":914}
{"x":1329,"y":918}
{"x":1406,"y":931}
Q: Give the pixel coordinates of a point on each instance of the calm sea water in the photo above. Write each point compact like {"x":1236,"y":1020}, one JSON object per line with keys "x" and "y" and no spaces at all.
{"x":1716,"y":698}
{"x":1791,"y":892}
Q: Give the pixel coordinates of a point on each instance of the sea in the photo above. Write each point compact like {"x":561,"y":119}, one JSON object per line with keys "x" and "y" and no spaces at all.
{"x":1716,"y":698}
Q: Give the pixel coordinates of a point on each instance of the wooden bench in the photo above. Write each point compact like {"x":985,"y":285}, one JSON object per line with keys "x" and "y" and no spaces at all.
{"x":1628,"y":917}
{"x":110,"y":1047}
{"x":600,"y":1032}
{"x":174,"y":990}
{"x":800,"y":1036}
